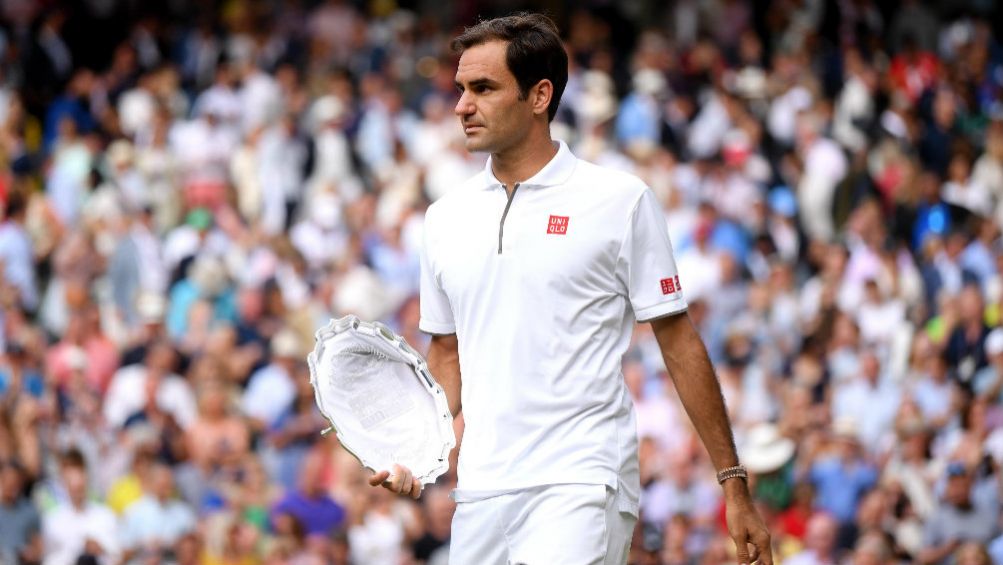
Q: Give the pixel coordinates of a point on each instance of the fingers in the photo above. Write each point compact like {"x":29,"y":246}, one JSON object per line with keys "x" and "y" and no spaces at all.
{"x":742,"y":549}
{"x":400,"y":481}
{"x":377,"y":479}
{"x":764,"y":547}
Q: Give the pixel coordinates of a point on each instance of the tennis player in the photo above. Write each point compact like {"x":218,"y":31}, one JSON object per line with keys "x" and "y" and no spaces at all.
{"x":532,"y":276}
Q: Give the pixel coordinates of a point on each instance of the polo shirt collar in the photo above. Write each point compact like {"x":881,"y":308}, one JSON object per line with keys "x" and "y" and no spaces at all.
{"x":557,"y":171}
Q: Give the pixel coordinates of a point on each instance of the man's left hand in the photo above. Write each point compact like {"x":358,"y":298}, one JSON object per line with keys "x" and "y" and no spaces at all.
{"x":752,"y":539}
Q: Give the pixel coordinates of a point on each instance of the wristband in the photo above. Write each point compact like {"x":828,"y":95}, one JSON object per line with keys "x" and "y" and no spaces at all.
{"x":738,"y":471}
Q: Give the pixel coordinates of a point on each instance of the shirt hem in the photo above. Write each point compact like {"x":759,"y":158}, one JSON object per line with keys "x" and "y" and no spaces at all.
{"x":436,"y":328}
{"x":660,"y":310}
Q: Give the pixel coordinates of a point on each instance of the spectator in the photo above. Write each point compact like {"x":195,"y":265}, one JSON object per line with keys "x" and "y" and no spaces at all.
{"x":870,"y":399}
{"x":270,"y":391}
{"x":78,"y":527}
{"x":308,"y":506}
{"x":820,"y":542}
{"x":16,"y":253}
{"x":962,"y":515}
{"x":157,"y":521}
{"x":20,"y":526}
{"x":438,"y":509}
{"x":218,"y":437}
{"x":843,"y":475}
{"x":872,"y":549}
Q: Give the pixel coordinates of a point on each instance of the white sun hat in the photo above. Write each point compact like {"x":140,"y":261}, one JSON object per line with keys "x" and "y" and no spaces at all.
{"x":765,"y":450}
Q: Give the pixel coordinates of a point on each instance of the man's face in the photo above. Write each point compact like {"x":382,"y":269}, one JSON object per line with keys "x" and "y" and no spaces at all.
{"x":958,"y":490}
{"x":75,"y":481}
{"x":10,"y":483}
{"x":490,"y":110}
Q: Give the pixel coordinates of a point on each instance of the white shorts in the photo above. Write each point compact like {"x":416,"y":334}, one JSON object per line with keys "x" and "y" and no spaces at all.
{"x":571,"y":524}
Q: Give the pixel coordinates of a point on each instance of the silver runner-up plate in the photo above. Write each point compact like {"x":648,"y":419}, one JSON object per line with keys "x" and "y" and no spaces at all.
{"x":381,"y":399}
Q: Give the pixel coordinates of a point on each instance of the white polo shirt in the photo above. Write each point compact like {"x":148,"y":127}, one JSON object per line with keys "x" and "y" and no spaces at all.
{"x":542,"y":290}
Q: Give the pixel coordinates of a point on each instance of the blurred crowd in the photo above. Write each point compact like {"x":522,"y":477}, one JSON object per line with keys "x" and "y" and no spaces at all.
{"x":189,"y":191}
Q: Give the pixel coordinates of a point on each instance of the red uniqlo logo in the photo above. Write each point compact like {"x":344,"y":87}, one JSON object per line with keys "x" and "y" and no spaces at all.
{"x":671,"y":285}
{"x":558,"y":225}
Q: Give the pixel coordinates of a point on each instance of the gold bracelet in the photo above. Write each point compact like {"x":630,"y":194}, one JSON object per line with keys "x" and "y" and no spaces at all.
{"x":738,"y":471}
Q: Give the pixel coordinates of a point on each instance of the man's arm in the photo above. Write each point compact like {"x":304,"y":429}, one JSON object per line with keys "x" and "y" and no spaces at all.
{"x":690,"y":368}
{"x":444,"y":362}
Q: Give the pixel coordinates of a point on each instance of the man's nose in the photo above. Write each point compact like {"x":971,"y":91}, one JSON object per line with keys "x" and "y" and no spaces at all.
{"x":464,"y":106}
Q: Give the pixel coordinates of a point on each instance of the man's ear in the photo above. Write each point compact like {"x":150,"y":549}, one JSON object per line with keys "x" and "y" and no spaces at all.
{"x":541,"y":94}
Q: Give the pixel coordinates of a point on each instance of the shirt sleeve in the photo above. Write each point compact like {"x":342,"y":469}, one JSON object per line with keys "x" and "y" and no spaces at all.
{"x":645,"y":266}
{"x":436,"y":312}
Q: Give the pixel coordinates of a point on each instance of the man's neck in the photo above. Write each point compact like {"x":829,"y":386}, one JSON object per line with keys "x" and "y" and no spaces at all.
{"x":521,"y":162}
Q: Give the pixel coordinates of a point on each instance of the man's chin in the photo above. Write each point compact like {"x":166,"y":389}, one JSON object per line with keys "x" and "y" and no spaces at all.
{"x":475,"y":145}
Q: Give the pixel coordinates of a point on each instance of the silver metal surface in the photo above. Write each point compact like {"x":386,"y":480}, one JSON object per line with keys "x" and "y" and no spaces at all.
{"x":380,"y":398}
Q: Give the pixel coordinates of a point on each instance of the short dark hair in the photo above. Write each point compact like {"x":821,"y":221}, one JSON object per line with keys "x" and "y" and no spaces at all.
{"x":73,"y":459}
{"x":534,"y":51}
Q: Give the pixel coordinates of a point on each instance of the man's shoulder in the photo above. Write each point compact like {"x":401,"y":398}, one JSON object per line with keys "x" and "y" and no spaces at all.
{"x":607,"y":181}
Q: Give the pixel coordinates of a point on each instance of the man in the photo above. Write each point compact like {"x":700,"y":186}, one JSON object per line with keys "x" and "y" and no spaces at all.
{"x":17,"y":259}
{"x":78,"y":526}
{"x":820,"y":542}
{"x":158,"y":520}
{"x":533,"y":273}
{"x":968,"y":512}
{"x":20,"y":525}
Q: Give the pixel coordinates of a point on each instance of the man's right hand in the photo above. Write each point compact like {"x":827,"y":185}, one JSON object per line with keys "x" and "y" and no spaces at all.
{"x":401,"y":481}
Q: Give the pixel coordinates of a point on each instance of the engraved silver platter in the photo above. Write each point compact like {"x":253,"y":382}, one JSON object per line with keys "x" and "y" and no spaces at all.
{"x":381,"y":399}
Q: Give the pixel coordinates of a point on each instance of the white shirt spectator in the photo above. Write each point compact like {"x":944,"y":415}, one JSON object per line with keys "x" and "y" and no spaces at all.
{"x":700,"y":271}
{"x":261,"y":100}
{"x":66,"y":184}
{"x":664,"y":499}
{"x":18,"y":261}
{"x":782,"y":119}
{"x":934,"y":398}
{"x":203,"y":150}
{"x":708,"y":128}
{"x":136,"y":109}
{"x":658,"y":418}
{"x":377,"y":540}
{"x":184,"y":241}
{"x":332,"y":161}
{"x":872,"y":407}
{"x":281,"y":158}
{"x":321,"y":238}
{"x":126,"y":396}
{"x":878,"y":321}
{"x":220,"y":100}
{"x":854,"y":106}
{"x":969,"y":195}
{"x":825,"y":166}
{"x":270,"y":392}
{"x":66,"y":530}
{"x":450,"y":170}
